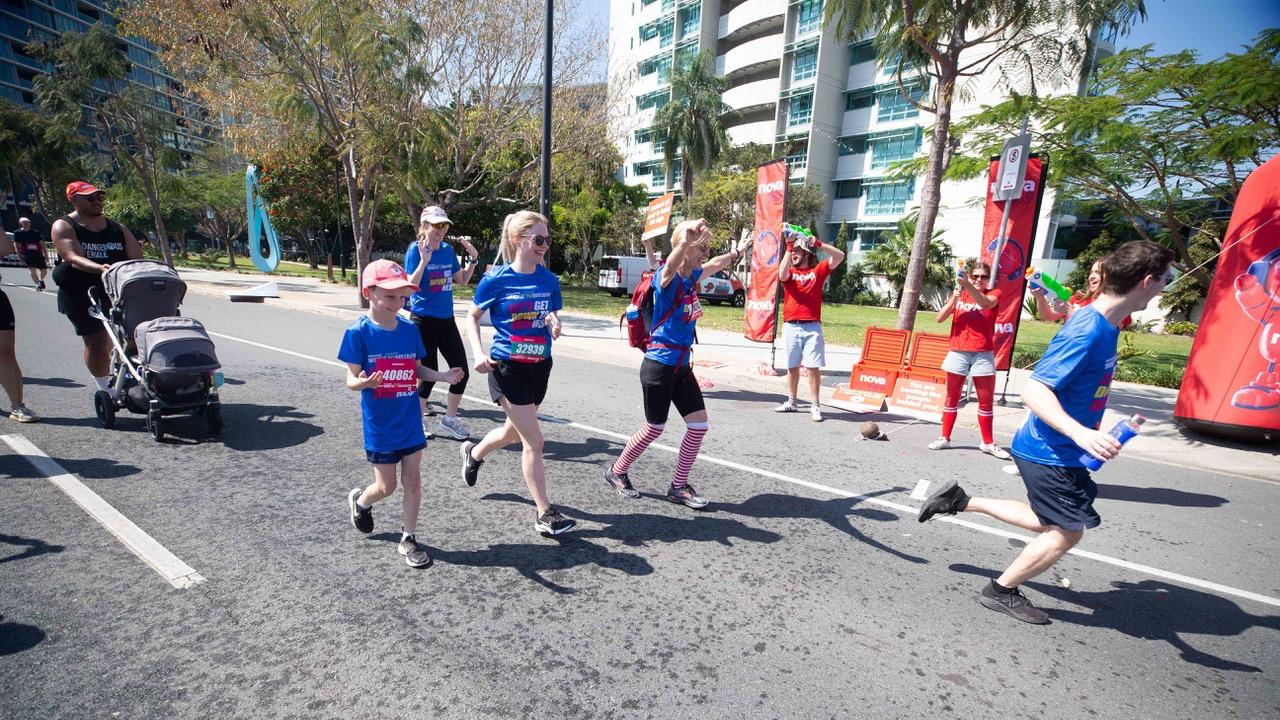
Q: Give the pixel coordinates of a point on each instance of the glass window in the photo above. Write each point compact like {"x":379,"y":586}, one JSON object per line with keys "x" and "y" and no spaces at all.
{"x":652,"y":100}
{"x":798,"y":161}
{"x":805,"y":65}
{"x":888,"y":198}
{"x":870,"y":238}
{"x":889,"y":149}
{"x":853,"y":144}
{"x":848,"y":188}
{"x":893,"y":106}
{"x":859,"y":99}
{"x":690,"y":19}
{"x":862,"y":52}
{"x":800,"y":111}
{"x":809,"y":17}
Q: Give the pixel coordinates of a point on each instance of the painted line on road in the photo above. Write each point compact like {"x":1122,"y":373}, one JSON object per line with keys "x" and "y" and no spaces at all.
{"x":922,"y":491}
{"x":906,"y":510}
{"x":169,"y":566}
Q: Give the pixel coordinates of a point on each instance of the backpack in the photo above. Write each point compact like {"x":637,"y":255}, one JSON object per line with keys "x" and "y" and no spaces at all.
{"x":639,"y":314}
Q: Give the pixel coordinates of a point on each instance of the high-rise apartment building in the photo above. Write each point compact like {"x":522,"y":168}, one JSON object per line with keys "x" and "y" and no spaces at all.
{"x":824,"y":103}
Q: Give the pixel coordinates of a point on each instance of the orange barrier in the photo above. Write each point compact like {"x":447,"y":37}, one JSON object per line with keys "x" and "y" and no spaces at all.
{"x":922,"y":384}
{"x":874,"y":375}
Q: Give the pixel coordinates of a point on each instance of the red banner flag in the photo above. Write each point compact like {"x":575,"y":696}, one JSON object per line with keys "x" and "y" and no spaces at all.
{"x":762,"y":292}
{"x":1021,"y":232}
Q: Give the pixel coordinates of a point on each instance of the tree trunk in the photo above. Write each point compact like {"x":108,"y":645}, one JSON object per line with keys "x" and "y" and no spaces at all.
{"x":930,"y":196}
{"x":686,"y":176}
{"x":311,"y":250}
{"x":329,"y":264}
{"x":231,"y":251}
{"x":162,"y":236}
{"x":359,"y":201}
{"x":181,"y":237}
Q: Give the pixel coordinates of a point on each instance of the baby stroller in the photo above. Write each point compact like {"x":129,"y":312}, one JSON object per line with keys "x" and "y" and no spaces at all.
{"x":162,"y":364}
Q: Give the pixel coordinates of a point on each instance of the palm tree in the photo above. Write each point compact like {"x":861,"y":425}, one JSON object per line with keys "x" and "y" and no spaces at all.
{"x":692,"y":121}
{"x":892,"y":258}
{"x":1031,"y":43}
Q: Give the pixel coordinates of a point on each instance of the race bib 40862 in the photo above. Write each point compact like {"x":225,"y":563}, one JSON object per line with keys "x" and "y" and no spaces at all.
{"x":399,"y":376}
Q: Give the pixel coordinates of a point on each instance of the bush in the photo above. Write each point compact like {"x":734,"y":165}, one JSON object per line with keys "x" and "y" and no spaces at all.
{"x":209,"y":259}
{"x":395,"y":257}
{"x":1181,"y":327}
{"x":871,"y":298}
{"x":1169,"y":376}
{"x":1024,"y":359}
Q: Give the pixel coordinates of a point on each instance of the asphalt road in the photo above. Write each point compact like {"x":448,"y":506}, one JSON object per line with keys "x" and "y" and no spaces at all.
{"x":788,"y":599}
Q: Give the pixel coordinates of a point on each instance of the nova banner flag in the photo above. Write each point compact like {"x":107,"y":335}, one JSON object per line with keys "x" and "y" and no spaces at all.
{"x":766,"y":256}
{"x":1019,"y":234}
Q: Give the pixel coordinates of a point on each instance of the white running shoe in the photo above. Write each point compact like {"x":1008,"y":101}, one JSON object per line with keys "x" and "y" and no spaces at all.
{"x":995,"y":451}
{"x":23,"y":414}
{"x":788,"y":406}
{"x":940,"y":444}
{"x":454,"y":427}
{"x":815,"y":413}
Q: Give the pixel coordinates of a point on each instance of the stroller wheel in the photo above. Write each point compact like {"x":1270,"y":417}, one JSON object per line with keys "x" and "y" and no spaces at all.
{"x":213,"y":416}
{"x":104,"y":408}
{"x":153,"y":425}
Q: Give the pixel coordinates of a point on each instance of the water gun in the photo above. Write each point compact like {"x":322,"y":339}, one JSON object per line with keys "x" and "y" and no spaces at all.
{"x":961,"y":268}
{"x":1043,"y":280}
{"x":789,"y":229}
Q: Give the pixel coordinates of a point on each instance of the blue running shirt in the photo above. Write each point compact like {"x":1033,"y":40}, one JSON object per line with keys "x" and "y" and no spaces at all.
{"x":392,"y":416}
{"x":434,"y":297}
{"x":677,"y":330}
{"x":1078,"y":365}
{"x":518,"y":306}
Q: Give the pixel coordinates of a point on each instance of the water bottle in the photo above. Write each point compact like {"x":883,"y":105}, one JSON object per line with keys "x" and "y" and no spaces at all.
{"x":632,"y":312}
{"x":218,"y":378}
{"x":1123,"y":431}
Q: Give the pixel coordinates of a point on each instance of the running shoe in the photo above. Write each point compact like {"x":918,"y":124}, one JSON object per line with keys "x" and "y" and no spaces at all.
{"x":454,"y":427}
{"x":1013,"y":604}
{"x":23,"y":414}
{"x":470,"y":465}
{"x":940,"y":444}
{"x":415,"y":556}
{"x":361,"y":520}
{"x":788,"y":406}
{"x":40,"y":286}
{"x":950,"y":500}
{"x":427,"y":431}
{"x":687,"y":496}
{"x":620,"y":483}
{"x":995,"y":450}
{"x":552,"y":522}
{"x":815,"y":413}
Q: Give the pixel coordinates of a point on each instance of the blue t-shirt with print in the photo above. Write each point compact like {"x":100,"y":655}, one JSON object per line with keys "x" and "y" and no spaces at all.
{"x":678,"y":326}
{"x":518,"y":306}
{"x":434,"y":297}
{"x":1078,"y":365}
{"x":392,"y":417}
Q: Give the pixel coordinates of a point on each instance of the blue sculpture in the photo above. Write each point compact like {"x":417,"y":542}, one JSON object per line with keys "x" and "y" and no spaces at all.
{"x":259,"y":222}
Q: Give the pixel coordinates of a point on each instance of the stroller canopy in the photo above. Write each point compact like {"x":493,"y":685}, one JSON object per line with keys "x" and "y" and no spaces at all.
{"x":175,"y":346}
{"x":142,"y":290}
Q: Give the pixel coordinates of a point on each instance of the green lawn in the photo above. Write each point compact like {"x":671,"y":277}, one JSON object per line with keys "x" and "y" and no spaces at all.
{"x":245,"y":266}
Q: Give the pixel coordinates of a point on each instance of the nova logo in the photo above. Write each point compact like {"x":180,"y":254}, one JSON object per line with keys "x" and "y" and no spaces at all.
{"x":873,"y":380}
{"x":1004,"y":328}
{"x":760,"y":305}
{"x":775,"y":186}
{"x":1028,"y":186}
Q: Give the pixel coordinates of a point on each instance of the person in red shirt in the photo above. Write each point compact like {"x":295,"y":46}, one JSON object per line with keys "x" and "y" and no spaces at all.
{"x":1052,"y":309}
{"x":973,"y":313}
{"x":802,"y":277}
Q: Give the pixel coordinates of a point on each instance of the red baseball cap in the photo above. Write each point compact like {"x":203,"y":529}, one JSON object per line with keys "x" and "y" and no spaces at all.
{"x":80,"y":187}
{"x":385,"y":274}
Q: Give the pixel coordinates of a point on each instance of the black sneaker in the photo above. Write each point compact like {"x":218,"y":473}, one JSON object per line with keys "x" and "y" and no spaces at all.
{"x":40,"y":286}
{"x":361,"y":520}
{"x":552,"y":522}
{"x":687,"y":496}
{"x":950,"y":500}
{"x":1014,"y":604}
{"x":470,"y":465}
{"x":620,"y":483}
{"x":415,"y":556}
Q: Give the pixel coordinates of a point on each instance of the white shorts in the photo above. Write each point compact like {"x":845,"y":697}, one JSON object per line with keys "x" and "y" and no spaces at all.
{"x":803,"y":344}
{"x":975,"y":363}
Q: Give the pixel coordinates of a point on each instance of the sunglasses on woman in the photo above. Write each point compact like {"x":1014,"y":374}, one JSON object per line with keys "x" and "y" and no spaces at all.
{"x":438,"y":225}
{"x":979,"y":277}
{"x":540,"y":240}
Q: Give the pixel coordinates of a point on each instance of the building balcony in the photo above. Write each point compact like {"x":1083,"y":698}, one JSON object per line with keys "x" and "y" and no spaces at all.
{"x":861,"y":75}
{"x":646,"y":84}
{"x":761,"y":132}
{"x":845,"y":209}
{"x":751,"y":95}
{"x":751,"y":17}
{"x":752,"y":55}
{"x":857,"y":121}
{"x":851,"y":166}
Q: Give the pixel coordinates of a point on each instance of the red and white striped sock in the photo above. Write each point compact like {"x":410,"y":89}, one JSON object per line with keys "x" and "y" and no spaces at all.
{"x":689,"y":448}
{"x":636,"y":446}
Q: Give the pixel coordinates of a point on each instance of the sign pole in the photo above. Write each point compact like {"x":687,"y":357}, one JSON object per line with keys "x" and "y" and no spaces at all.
{"x":1012,"y":173}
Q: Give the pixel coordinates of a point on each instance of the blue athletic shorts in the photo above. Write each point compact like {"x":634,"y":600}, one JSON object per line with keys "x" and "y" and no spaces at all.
{"x":1061,"y":496}
{"x":391,"y":457}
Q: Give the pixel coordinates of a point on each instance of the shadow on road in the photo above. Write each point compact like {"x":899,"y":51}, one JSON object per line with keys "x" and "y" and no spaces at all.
{"x":16,"y":637}
{"x":1153,"y":610}
{"x":15,"y":466}
{"x":836,"y":512}
{"x":1159,"y":496}
{"x":56,"y":382}
{"x":584,"y":452}
{"x":247,"y":427}
{"x":33,"y":546}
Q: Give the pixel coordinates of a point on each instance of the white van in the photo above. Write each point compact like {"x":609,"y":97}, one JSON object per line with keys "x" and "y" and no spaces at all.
{"x":619,"y":275}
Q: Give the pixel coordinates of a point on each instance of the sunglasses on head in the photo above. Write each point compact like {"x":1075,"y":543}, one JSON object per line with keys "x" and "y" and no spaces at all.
{"x":540,"y":240}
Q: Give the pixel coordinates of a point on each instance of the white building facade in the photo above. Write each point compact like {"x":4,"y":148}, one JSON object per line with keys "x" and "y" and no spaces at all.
{"x":825,"y":104}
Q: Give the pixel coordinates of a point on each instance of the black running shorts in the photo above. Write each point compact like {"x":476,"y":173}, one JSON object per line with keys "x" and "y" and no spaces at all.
{"x":7,"y":321}
{"x":36,"y":259}
{"x":73,"y":301}
{"x":1061,"y":496}
{"x":520,"y":383}
{"x":664,"y":385}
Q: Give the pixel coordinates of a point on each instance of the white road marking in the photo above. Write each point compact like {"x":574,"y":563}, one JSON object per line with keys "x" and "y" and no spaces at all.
{"x":169,"y":566}
{"x":922,"y":491}
{"x":907,"y":510}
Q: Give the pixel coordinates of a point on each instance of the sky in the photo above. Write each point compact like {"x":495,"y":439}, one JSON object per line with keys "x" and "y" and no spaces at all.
{"x":1210,"y":27}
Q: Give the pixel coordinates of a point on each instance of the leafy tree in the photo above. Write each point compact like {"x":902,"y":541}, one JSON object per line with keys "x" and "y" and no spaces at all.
{"x":834,"y":291}
{"x":691,"y":121}
{"x":45,"y":155}
{"x":304,"y":194}
{"x":1185,"y":293}
{"x":1099,"y":247}
{"x":892,"y":258}
{"x":1162,"y":132}
{"x":89,"y":84}
{"x":1031,"y":43}
{"x":726,"y":194}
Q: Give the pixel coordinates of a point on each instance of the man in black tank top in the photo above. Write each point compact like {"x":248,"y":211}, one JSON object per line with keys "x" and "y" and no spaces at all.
{"x":89,"y":243}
